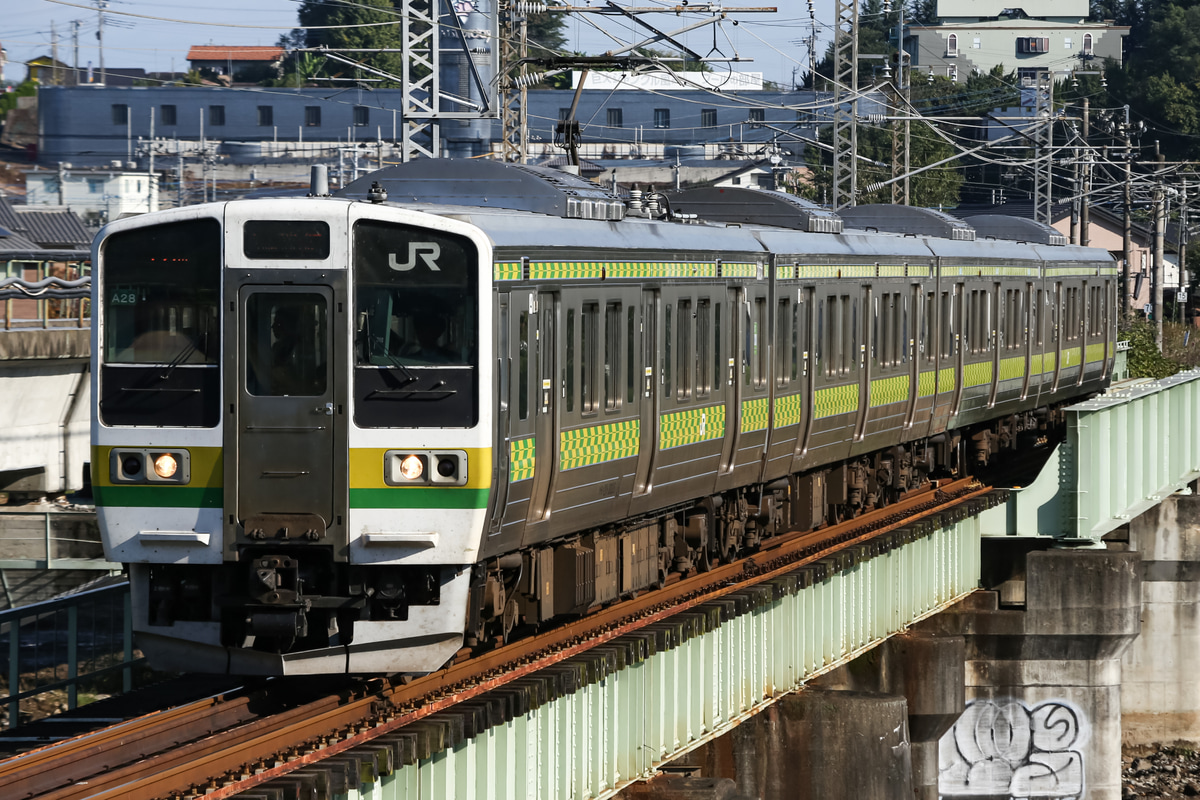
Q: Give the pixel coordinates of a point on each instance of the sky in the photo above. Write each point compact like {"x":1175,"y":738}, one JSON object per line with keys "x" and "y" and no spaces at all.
{"x":772,"y":40}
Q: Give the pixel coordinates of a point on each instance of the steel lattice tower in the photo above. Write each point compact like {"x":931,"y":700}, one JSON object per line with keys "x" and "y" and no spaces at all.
{"x":845,"y":98}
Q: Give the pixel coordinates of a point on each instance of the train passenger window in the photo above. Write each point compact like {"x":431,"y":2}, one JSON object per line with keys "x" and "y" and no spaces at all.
{"x":1035,"y":324}
{"x":817,"y":352}
{"x":833,"y":339}
{"x":666,"y":358}
{"x":760,"y":341}
{"x":795,"y":365}
{"x":612,"y":356}
{"x":589,"y":352}
{"x":849,"y":334}
{"x":523,"y":367}
{"x":569,"y":379}
{"x":718,"y":374}
{"x":946,"y":320}
{"x":880,"y":321}
{"x":927,"y":324}
{"x":703,"y":345}
{"x":630,"y":353}
{"x":783,"y":336}
{"x":684,"y":351}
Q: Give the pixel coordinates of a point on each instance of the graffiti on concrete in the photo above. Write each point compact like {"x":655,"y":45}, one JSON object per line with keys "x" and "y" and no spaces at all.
{"x":1004,"y":748}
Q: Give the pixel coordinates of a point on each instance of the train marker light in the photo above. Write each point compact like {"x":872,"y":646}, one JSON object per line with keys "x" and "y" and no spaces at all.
{"x":144,"y":465}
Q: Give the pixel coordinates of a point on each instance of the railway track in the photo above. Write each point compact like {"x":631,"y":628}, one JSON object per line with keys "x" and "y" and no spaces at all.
{"x":226,"y":744}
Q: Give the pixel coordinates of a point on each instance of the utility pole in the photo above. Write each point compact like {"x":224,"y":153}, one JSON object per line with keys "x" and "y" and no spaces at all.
{"x":100,"y":6}
{"x":75,"y":40}
{"x":179,"y":185}
{"x":53,"y":54}
{"x":1160,"y":221}
{"x":901,"y":139}
{"x":514,"y":80}
{"x":1043,"y":168}
{"x":1127,"y":227}
{"x":1087,"y":179}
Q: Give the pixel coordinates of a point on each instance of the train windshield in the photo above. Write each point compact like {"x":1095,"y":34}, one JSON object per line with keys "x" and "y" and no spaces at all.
{"x":417,"y":327}
{"x":162,"y":338}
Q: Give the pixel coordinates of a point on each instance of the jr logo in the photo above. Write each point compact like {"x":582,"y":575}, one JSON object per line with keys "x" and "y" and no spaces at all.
{"x":427,"y":251}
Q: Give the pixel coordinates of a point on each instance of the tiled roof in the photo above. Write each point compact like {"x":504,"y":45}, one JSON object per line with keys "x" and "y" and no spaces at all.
{"x":51,"y":229}
{"x":214,"y":52}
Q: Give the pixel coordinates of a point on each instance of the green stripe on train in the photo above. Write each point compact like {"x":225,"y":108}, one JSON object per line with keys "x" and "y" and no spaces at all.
{"x":889,"y":390}
{"x":419,"y":497}
{"x":159,"y":496}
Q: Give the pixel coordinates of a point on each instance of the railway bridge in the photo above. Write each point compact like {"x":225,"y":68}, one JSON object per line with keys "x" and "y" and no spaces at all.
{"x":990,"y":648}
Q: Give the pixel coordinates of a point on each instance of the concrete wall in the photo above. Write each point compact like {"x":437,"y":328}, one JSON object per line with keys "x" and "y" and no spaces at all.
{"x":1160,"y":696}
{"x":45,"y":402}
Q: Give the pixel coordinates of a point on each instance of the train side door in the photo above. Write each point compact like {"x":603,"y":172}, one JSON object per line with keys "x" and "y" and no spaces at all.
{"x":519,"y":392}
{"x":730,"y":372}
{"x":995,"y":336}
{"x":806,"y":332}
{"x":956,"y":325}
{"x":288,"y":407}
{"x":544,"y":354}
{"x":1025,"y":330}
{"x":648,"y":389}
{"x":912,"y":324}
{"x":1057,"y":326}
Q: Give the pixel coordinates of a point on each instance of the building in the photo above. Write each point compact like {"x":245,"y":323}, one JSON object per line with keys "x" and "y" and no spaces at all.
{"x":96,"y":195}
{"x":231,"y":60}
{"x":88,"y":125}
{"x":976,"y":35}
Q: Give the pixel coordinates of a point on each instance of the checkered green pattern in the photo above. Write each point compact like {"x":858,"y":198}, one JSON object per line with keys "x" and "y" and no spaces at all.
{"x":754,"y":415}
{"x":507,"y":270}
{"x":926,"y":384}
{"x":521,"y":458}
{"x":691,"y":426}
{"x":739,"y":269}
{"x":1067,"y":272}
{"x":889,"y":390}
{"x":977,"y":374}
{"x":892,"y":270}
{"x":785,"y":272}
{"x":835,"y":400}
{"x":947,"y":380}
{"x":1011,"y":368}
{"x":788,"y":410}
{"x":596,"y":444}
{"x":997,"y":272}
{"x":1095,"y":352}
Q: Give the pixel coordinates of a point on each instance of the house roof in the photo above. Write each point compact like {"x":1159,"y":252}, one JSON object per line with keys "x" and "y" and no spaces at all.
{"x":216,"y":52}
{"x":34,"y":229}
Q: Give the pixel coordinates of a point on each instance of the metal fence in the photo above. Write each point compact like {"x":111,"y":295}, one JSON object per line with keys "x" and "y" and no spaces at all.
{"x":64,"y":651}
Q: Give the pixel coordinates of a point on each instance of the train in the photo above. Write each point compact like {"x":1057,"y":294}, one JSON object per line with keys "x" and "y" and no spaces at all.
{"x":459,"y":400}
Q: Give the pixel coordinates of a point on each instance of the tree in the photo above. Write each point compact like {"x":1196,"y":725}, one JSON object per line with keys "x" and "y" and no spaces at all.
{"x":366,"y":24}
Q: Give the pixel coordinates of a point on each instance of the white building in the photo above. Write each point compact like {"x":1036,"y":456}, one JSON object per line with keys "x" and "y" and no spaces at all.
{"x":976,"y":35}
{"x":96,"y":195}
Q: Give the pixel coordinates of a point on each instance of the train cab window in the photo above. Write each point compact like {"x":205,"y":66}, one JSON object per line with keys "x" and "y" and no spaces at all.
{"x":160,"y":307}
{"x":589,"y":352}
{"x":683,"y":351}
{"x":523,"y":366}
{"x":703,"y":345}
{"x":416,"y":333}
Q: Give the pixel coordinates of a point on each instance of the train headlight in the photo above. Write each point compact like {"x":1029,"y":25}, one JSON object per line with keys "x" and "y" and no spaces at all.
{"x":425,"y":467}
{"x":143,"y":465}
{"x":412,"y":468}
{"x":165,"y":466}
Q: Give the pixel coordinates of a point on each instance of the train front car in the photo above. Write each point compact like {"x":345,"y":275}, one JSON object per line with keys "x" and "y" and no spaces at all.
{"x":291,"y":450}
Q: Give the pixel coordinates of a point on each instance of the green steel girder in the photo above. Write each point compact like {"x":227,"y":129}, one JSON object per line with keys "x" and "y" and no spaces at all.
{"x":1125,"y":452}
{"x":593,"y":724}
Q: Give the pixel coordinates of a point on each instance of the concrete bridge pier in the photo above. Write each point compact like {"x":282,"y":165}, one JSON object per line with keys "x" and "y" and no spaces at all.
{"x":1043,"y":710}
{"x":1160,"y":696}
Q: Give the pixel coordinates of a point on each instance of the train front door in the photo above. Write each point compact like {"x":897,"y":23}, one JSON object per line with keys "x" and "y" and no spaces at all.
{"x":286,"y":412}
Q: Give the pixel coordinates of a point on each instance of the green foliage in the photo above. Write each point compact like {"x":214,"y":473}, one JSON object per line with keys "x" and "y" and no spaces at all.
{"x":8,"y":100}
{"x":1144,"y":359}
{"x":355,"y":13}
